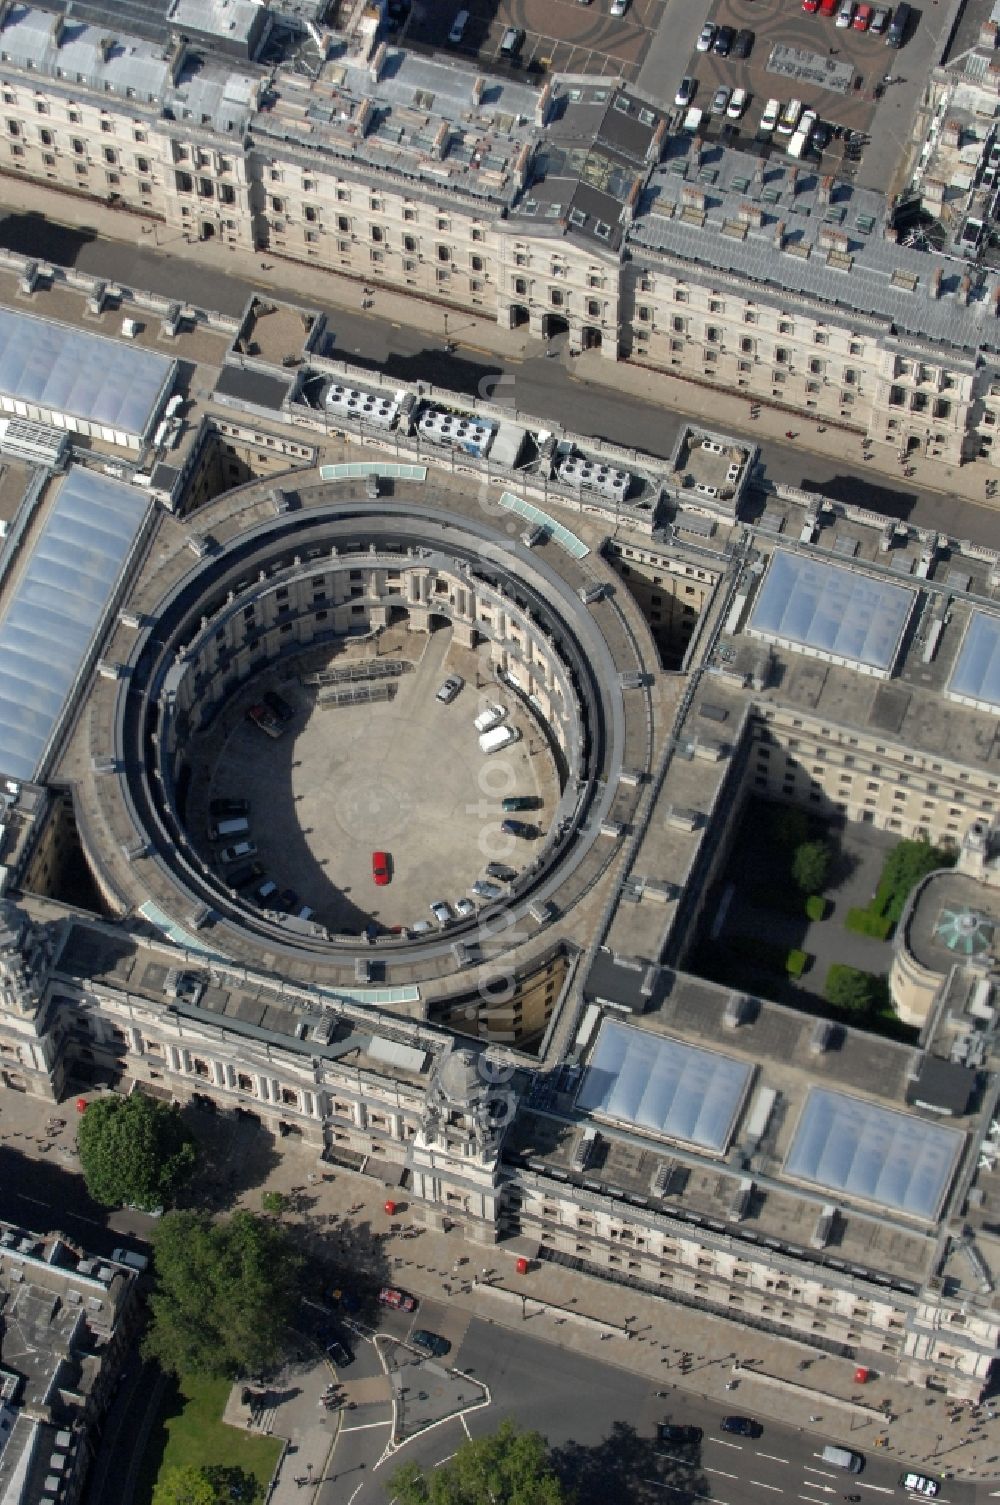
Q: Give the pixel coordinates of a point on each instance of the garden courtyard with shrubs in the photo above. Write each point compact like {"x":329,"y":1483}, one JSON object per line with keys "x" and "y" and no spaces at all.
{"x":805,"y":914}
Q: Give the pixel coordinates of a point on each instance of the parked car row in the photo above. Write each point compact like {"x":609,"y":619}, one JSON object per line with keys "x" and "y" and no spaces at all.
{"x":723,"y":40}
{"x":880,"y":20}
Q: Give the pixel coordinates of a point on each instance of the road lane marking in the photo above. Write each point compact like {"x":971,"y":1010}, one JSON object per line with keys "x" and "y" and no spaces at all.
{"x":465,"y":1424}
{"x":773,"y":1457}
{"x":722,"y":1472}
{"x":368,"y":1426}
{"x":825,"y":1472}
{"x":882,"y":1489}
{"x":759,"y":1485}
{"x":444,"y":1460}
{"x":687,"y":1463}
{"x":678,"y":1489}
{"x":722,"y":1443}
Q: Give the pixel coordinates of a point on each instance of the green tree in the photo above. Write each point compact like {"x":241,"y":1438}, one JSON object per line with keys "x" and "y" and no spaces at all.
{"x":206,"y":1486}
{"x":510,"y":1466}
{"x":224,"y":1294}
{"x":134,"y":1151}
{"x":903,"y":869}
{"x":849,"y":989}
{"x":811,"y":866}
{"x":275,"y":1202}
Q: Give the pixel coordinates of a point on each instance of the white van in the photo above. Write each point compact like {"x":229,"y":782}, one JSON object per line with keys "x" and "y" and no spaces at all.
{"x":491,"y":717}
{"x":769,"y":119}
{"x":238,"y":826}
{"x":500,"y":736}
{"x":843,"y":1458}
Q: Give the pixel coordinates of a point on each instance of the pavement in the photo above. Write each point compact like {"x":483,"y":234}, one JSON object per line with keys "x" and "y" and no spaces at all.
{"x":633,"y":405}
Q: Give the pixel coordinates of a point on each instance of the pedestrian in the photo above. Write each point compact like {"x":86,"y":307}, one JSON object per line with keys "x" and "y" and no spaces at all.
{"x":789,"y":434}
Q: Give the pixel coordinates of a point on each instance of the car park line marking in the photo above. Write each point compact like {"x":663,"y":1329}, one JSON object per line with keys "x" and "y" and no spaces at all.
{"x":444,"y":1460}
{"x":722,"y":1443}
{"x":759,"y":1485}
{"x":773,"y":1457}
{"x":672,"y":1458}
{"x":825,"y":1472}
{"x":465,"y":1424}
{"x":722,"y":1472}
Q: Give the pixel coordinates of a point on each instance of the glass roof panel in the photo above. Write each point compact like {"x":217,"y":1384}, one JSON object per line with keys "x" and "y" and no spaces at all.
{"x":659,"y":1084}
{"x":84,"y":375}
{"x":877,"y":1154}
{"x":976,"y":675}
{"x":848,"y":615}
{"x":55,"y":608}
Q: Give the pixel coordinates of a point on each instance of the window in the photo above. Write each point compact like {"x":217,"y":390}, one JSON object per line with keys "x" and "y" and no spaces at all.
{"x":409,"y":243}
{"x":278,"y":205}
{"x":443,"y":253}
{"x":785,"y":327}
{"x":781,"y":356}
{"x":142,"y":164}
{"x":678,"y":323}
{"x":712,"y":335}
{"x":13,"y":129}
{"x":556,"y":297}
{"x":821,"y":338}
{"x":477,"y":234}
{"x":110,"y":155}
{"x":378,"y":235}
{"x":476,"y":262}
{"x":311,"y":214}
{"x":520,"y":259}
{"x":715,"y":307}
{"x":593,"y":308}
{"x":817,"y":367}
{"x":343,"y":223}
{"x":896,"y":397}
{"x":746,"y":346}
{"x":106,"y":125}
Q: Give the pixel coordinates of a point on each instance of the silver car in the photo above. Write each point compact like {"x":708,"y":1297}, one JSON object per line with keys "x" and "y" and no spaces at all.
{"x":483,"y":889}
{"x":442,"y":912}
{"x":446,"y":694}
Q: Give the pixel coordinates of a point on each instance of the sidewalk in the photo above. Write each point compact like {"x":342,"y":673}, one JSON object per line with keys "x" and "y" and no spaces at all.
{"x":727,"y":411}
{"x":647,"y":1335}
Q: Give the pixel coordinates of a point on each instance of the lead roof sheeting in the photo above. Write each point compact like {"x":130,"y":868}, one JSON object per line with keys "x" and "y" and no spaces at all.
{"x":849,"y":615}
{"x":84,"y":375}
{"x":877,"y":1154}
{"x":407,"y":1057}
{"x":46,"y":630}
{"x":659,"y":1084}
{"x":976,"y":674}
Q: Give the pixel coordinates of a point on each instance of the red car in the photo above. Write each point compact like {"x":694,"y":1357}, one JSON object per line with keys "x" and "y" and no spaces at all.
{"x":380,"y":868}
{"x":809,"y":6}
{"x":399,"y":1300}
{"x":862,"y":18}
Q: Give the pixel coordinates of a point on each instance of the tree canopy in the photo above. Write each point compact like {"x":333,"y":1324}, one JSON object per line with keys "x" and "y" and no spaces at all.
{"x":134,"y":1151}
{"x":216,"y":1485}
{"x":811,"y":866}
{"x":510,"y":1466}
{"x":903,"y":869}
{"x":224,"y":1294}
{"x":850,"y":989}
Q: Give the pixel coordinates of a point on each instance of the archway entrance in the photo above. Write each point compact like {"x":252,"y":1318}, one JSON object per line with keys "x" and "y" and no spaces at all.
{"x":207,"y":229}
{"x":553,"y":325}
{"x":518,"y":315}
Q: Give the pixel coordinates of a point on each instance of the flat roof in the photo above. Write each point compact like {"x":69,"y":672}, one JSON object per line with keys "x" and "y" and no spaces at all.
{"x":975,"y":678}
{"x":877,"y":1154}
{"x":54,"y":610}
{"x":660,"y":1084}
{"x":851,"y":617}
{"x":82,"y":375}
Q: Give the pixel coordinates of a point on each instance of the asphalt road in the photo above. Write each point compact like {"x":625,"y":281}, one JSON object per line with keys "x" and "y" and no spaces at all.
{"x":600,"y":1422}
{"x":546,"y":389}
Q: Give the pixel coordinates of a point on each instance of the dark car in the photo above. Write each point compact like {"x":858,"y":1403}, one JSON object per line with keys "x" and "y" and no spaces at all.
{"x":742,"y":1426}
{"x":515,"y":802}
{"x":723,"y":44}
{"x":821,"y":134}
{"x":278,"y":705}
{"x":430,"y":1342}
{"x":501,"y":870}
{"x":288,"y":899}
{"x":242,"y":877}
{"x":517,"y":828}
{"x":339,"y":1354}
{"x":743,"y":44}
{"x":668,"y":1432}
{"x":222,"y":808}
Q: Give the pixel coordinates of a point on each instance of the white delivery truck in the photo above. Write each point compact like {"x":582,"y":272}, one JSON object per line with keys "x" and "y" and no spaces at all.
{"x":500,"y":736}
